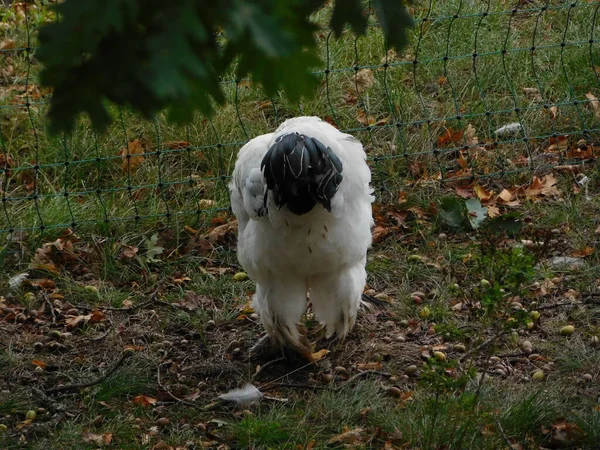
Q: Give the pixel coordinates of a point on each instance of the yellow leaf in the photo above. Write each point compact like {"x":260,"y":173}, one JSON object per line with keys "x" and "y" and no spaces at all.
{"x":318,"y":355}
{"x":482,"y":193}
{"x":493,"y":211}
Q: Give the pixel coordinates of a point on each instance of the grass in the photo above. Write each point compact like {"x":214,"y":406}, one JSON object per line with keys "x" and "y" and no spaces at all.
{"x":198,"y":347}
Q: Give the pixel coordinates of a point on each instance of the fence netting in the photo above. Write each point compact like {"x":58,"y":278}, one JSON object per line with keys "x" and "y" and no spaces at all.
{"x":487,"y":93}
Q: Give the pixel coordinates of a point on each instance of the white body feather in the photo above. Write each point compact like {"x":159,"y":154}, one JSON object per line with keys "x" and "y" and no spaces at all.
{"x":288,"y":255}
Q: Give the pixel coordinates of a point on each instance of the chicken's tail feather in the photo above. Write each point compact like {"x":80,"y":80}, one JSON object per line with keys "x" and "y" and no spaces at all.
{"x":300,"y":172}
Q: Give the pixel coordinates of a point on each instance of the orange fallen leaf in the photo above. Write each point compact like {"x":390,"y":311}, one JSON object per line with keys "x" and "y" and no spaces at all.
{"x":144,"y":400}
{"x":586,"y":251}
{"x":133,"y":156}
{"x":39,"y":363}
{"x":449,"y":136}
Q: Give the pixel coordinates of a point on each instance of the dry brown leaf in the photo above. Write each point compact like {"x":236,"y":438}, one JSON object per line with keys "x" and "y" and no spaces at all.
{"x":176,"y":145}
{"x":364,"y":119}
{"x":374,"y":365}
{"x":7,"y":44}
{"x":378,"y":233}
{"x":553,"y":112}
{"x":350,"y":97}
{"x":595,"y":103}
{"x":465,"y":191}
{"x":532,"y":93}
{"x":545,"y":186}
{"x":471,"y":135}
{"x":222,"y":233}
{"x":133,"y":156}
{"x":449,"y":136}
{"x":348,"y":437}
{"x":586,"y":251}
{"x":45,"y":284}
{"x":565,"y":434}
{"x":364,"y":79}
{"x":192,"y":301}
{"x":144,"y":400}
{"x":97,"y":439}
{"x":390,"y":56}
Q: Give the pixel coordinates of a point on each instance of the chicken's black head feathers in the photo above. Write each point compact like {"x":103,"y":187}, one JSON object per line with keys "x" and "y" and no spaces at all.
{"x":300,"y":172}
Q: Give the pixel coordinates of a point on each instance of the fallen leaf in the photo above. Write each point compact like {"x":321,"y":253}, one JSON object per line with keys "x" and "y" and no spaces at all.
{"x":594,"y":102}
{"x":493,"y":211}
{"x":471,"y":135}
{"x":128,"y":252}
{"x":553,"y":112}
{"x":97,"y":439}
{"x":565,"y":434}
{"x":176,"y":145}
{"x":7,"y":44}
{"x":364,"y":119}
{"x":39,"y":363}
{"x":374,"y":365}
{"x":45,"y":284}
{"x":192,"y":301}
{"x":545,"y":186}
{"x":379,"y":233}
{"x":482,"y":193}
{"x":133,"y":156}
{"x":317,"y":356}
{"x":586,"y":251}
{"x":532,"y":93}
{"x":364,"y":79}
{"x":348,"y":437}
{"x":222,"y":233}
{"x":350,"y":97}
{"x":144,"y":400}
{"x":465,"y":191}
{"x":449,"y":136}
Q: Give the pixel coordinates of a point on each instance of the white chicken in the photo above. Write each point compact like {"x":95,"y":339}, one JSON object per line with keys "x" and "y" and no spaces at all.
{"x":303,"y":203}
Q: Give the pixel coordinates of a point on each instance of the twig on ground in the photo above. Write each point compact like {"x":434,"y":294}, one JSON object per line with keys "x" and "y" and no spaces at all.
{"x":50,"y":306}
{"x":153,"y":299}
{"x":482,"y":345}
{"x":558,"y":305}
{"x":77,"y":386}
{"x":262,"y":368}
{"x":317,"y":386}
{"x":359,"y":375}
{"x":270,"y":386}
{"x":166,"y":389}
{"x":97,"y":338}
{"x":503,"y":434}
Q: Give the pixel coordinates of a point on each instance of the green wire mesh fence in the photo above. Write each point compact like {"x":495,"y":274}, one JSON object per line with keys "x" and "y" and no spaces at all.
{"x":487,"y":91}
